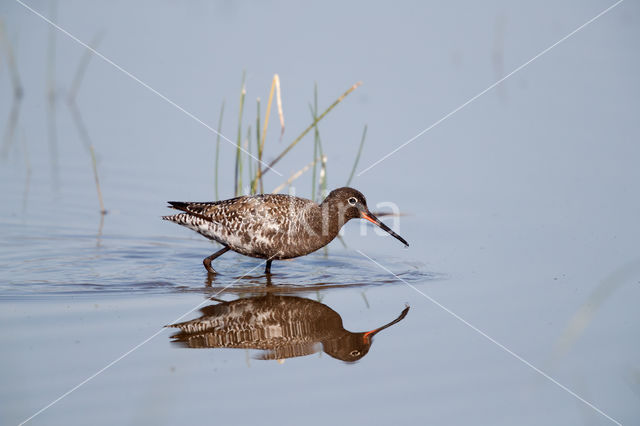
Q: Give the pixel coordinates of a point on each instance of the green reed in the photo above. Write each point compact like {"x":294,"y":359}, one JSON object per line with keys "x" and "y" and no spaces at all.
{"x":254,"y":166}
{"x":355,"y":163}
{"x":218,"y":147}
{"x":238,"y":172}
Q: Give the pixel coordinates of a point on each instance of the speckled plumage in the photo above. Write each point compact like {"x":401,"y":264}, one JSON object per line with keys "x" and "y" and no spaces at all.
{"x":273,"y":226}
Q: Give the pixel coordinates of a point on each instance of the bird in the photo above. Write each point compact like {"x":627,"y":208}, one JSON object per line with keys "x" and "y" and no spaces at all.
{"x":280,"y":326}
{"x":274,"y":226}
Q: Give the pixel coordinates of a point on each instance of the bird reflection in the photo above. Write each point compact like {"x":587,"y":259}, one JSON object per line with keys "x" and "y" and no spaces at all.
{"x":281,"y":326}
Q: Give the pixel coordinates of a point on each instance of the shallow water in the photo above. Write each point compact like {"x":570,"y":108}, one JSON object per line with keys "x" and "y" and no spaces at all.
{"x":521,"y":210}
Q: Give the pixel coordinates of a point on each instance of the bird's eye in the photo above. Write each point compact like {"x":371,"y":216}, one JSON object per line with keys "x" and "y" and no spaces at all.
{"x":354,"y":352}
{"x":352,"y":201}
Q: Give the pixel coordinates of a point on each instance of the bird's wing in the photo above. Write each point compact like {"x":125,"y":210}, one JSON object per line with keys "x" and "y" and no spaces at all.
{"x":203,"y":209}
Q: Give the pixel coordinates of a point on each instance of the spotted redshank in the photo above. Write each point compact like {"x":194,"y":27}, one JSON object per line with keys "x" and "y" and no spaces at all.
{"x":281,"y":326}
{"x":274,"y":226}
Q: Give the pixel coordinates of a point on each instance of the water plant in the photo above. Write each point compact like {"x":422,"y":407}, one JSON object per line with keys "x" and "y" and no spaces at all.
{"x":255,"y":166}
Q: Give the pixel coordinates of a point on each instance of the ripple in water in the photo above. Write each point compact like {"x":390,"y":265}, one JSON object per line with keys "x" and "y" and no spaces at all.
{"x":121,"y":266}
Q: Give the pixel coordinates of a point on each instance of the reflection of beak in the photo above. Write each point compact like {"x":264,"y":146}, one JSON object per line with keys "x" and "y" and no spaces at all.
{"x":365,"y":214}
{"x":369,"y":334}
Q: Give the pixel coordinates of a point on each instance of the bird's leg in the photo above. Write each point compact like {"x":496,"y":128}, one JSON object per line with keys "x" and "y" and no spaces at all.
{"x":267,"y":270}
{"x":207,"y":260}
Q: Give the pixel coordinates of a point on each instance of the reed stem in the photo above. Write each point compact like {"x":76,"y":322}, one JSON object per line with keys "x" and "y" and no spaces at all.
{"x":94,"y":163}
{"x":258,"y":178}
{"x":218,"y":148}
{"x":253,"y":189}
{"x":355,"y":163}
{"x":303,"y":134}
{"x":296,"y":175}
{"x":276,"y":79}
{"x":247,"y":148}
{"x":317,"y":142}
{"x":238,"y":171}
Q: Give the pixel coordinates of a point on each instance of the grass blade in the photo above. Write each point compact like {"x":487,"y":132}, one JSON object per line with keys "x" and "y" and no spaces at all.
{"x":82,"y":66}
{"x":238,"y":171}
{"x":355,"y":163}
{"x":11,"y":61}
{"x":86,"y":140}
{"x":18,"y":91}
{"x":77,"y":117}
{"x":258,"y":178}
{"x":51,"y":94}
{"x":253,"y":188}
{"x":218,"y":148}
{"x":320,"y":117}
{"x":94,"y":163}
{"x":323,"y":178}
{"x":296,"y":175}
{"x":279,"y":102}
{"x":247,"y":148}
{"x":313,"y":174}
{"x":317,"y":143}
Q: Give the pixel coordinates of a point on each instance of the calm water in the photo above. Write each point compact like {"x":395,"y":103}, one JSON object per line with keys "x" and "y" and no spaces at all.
{"x":521,"y":211}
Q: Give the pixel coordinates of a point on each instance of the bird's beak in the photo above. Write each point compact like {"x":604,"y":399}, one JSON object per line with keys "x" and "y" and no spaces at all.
{"x":365,"y":214}
{"x":369,"y":334}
